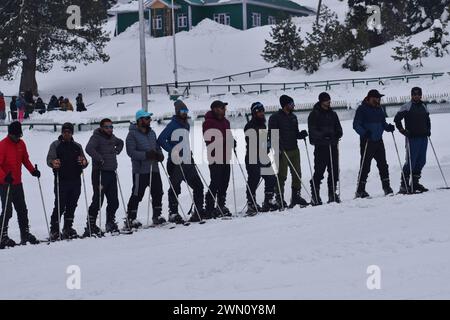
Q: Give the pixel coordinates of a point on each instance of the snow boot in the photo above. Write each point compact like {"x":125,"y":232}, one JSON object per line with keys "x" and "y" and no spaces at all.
{"x":69,"y":233}
{"x":280,"y":203}
{"x":361,"y":192}
{"x":251,"y":209}
{"x":418,"y":188}
{"x":92,"y":229}
{"x":315,"y":195}
{"x":268,"y":204}
{"x":157,"y":220}
{"x":296,"y":198}
{"x":111,"y":227}
{"x":131,"y":224}
{"x":224,"y":211}
{"x":5,"y":241}
{"x":27,"y":237}
{"x":175,"y":218}
{"x":54,"y":235}
{"x":386,"y":184}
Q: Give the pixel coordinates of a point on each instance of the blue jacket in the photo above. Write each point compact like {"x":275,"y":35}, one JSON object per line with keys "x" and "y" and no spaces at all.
{"x":137,"y":144}
{"x":371,"y":119}
{"x":165,"y":138}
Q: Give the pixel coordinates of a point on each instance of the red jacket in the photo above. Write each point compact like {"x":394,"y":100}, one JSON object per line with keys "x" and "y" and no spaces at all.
{"x":12,"y":156}
{"x":223,"y":126}
{"x":2,"y":104}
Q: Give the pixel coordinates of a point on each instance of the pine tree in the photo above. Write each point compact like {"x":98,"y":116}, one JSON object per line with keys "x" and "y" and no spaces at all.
{"x":36,"y":34}
{"x":357,"y":44}
{"x":407,"y":52}
{"x":286,"y":49}
{"x":439,"y":42}
{"x":326,"y":35}
{"x":310,"y":59}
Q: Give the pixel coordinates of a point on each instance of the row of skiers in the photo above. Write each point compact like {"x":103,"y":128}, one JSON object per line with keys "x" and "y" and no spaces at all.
{"x":67,"y":159}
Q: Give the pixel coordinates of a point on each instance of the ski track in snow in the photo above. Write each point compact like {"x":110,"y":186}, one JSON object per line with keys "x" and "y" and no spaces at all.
{"x":320,"y":252}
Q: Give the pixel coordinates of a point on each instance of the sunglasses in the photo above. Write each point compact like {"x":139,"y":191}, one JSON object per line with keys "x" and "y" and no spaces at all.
{"x":108,"y":127}
{"x":184,"y":111}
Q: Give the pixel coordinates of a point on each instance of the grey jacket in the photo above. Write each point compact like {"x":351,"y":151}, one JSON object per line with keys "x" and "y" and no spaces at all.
{"x":104,"y":150}
{"x":137,"y":144}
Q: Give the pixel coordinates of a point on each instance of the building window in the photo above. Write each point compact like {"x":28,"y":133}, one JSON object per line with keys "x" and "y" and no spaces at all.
{"x":271,"y":20}
{"x":157,"y":23}
{"x":256,"y":19}
{"x":222,"y":18}
{"x":182,"y":20}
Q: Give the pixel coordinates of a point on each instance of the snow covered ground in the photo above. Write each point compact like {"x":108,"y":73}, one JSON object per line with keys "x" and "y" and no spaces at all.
{"x":320,"y":252}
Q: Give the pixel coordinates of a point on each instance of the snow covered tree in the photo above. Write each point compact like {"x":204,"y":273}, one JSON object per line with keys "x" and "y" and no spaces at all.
{"x":286,"y":48}
{"x":310,"y":59}
{"x":35,"y":34}
{"x":420,"y":14}
{"x":439,"y":42}
{"x":326,"y":35}
{"x":357,"y":43}
{"x":406,"y":52}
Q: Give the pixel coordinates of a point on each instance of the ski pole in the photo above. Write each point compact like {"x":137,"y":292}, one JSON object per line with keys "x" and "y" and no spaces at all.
{"x":439,"y":165}
{"x":279,"y":187}
{"x":122,"y":199}
{"x":246,"y":183}
{"x":43,"y":203}
{"x":410,"y":165}
{"x":86,"y":202}
{"x":332,"y":173}
{"x":339,"y":170}
{"x":362,"y":165}
{"x":234,"y":187}
{"x":246,"y":204}
{"x":100,"y":199}
{"x":310,"y":169}
{"x":209,"y":189}
{"x":4,"y":210}
{"x":190,"y":193}
{"x":173,"y":190}
{"x":400,"y":163}
{"x":149,"y":194}
{"x":58,"y":198}
{"x":296,"y":173}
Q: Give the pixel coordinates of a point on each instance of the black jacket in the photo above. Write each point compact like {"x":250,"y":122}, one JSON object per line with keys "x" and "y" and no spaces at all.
{"x":256,"y":125}
{"x":324,"y":126}
{"x":68,"y":153}
{"x":287,"y":124}
{"x":417,"y":119}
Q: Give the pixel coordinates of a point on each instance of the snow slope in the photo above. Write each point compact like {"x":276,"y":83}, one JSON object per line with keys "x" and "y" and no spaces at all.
{"x":320,"y":252}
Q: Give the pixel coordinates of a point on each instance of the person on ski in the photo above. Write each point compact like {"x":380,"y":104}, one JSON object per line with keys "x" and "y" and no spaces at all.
{"x":416,"y":131}
{"x":174,"y":134}
{"x":370,"y":123}
{"x":286,"y":122}
{"x":145,"y":153}
{"x":14,"y":154}
{"x":103,"y":147}
{"x":325,"y":131}
{"x":256,"y":165}
{"x":67,"y":159}
{"x":219,"y":167}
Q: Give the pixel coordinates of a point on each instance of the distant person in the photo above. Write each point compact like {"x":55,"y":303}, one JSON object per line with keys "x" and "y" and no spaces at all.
{"x":29,"y":103}
{"x":21,"y":106}
{"x":60,"y":102}
{"x":66,"y":105}
{"x":13,"y":108}
{"x":80,"y":104}
{"x":53,"y":104}
{"x":2,"y":107}
{"x":39,"y":106}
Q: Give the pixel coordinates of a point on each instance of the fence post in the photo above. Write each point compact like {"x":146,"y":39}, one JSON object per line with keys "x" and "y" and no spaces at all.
{"x":260,"y":88}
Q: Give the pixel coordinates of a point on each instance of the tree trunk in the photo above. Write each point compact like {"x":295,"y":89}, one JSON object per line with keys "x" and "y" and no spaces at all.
{"x":318,"y":11}
{"x":28,"y":77}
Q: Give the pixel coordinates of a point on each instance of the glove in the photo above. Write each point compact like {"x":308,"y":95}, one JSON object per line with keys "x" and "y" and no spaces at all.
{"x":390,"y":128}
{"x":405,"y":133}
{"x":154,"y":156}
{"x":36,"y":173}
{"x":303,"y":134}
{"x":9,"y":179}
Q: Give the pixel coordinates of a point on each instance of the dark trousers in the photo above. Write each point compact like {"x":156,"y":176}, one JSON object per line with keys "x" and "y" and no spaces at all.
{"x":418,"y":147}
{"x":140,"y":183}
{"x":16,"y":197}
{"x":220,"y":179}
{"x":192,"y":179}
{"x":69,"y":193}
{"x":254,"y":176}
{"x":108,"y":189}
{"x":375,"y":150}
{"x":322,"y":162}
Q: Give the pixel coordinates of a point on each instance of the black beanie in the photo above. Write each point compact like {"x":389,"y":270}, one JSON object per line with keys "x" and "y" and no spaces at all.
{"x":285,"y":100}
{"x":15,"y":128}
{"x":67,"y":126}
{"x":416,"y":90}
{"x":324,"y":97}
{"x":256,"y":107}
